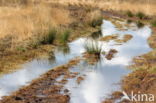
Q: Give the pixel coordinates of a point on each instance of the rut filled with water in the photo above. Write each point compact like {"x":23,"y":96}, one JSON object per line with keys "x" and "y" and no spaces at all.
{"x":99,"y":79}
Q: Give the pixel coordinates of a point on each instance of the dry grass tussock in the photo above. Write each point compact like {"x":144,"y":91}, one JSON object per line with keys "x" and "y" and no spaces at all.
{"x":20,"y":24}
{"x":146,"y":6}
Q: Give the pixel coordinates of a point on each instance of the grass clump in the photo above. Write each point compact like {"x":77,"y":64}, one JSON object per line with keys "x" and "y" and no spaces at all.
{"x":93,"y":47}
{"x":140,"y":15}
{"x":64,"y":37}
{"x":129,"y":14}
{"x":153,"y":23}
{"x":93,"y":18}
{"x":96,"y":22}
{"x":139,"y":24}
{"x":49,"y":37}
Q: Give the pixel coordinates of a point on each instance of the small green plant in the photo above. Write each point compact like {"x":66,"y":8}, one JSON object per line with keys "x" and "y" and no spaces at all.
{"x":96,"y":22}
{"x":140,"y":15}
{"x":65,"y":36}
{"x":21,"y":49}
{"x":129,"y":14}
{"x":93,"y":47}
{"x":129,"y":21}
{"x":153,"y":23}
{"x":140,"y":24}
{"x":50,"y":37}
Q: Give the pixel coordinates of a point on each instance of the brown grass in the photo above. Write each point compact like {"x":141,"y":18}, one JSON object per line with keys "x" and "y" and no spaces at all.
{"x":110,"y":37}
{"x":118,"y":5}
{"x":125,"y":38}
{"x":23,"y":23}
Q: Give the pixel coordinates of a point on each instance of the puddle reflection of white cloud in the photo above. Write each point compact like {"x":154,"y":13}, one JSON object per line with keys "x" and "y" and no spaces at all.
{"x":76,"y":47}
{"x":119,"y":61}
{"x":99,"y":83}
{"x":144,"y":32}
{"x":92,"y":87}
{"x":108,"y":28}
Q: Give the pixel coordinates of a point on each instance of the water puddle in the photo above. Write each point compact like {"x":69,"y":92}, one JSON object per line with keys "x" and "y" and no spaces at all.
{"x":99,"y":80}
{"x":32,"y":70}
{"x":104,"y":77}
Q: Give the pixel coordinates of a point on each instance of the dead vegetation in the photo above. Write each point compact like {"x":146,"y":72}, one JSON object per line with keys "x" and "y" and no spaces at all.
{"x":148,"y":6}
{"x":25,"y":25}
{"x":25,"y":28}
{"x":116,"y":38}
{"x":125,"y":38}
{"x":108,"y":38}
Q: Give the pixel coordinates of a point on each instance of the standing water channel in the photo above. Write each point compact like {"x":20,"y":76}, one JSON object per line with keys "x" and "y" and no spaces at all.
{"x":101,"y":79}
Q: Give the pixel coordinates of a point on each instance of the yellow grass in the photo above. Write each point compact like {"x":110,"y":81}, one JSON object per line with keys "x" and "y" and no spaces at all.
{"x":146,"y":6}
{"x":22,"y":19}
{"x":23,"y":22}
